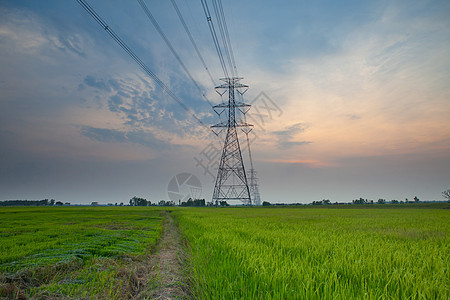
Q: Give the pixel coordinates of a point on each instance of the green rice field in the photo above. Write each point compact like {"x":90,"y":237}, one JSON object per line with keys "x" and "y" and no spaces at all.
{"x":318,"y":253}
{"x":345,"y":252}
{"x":77,"y":252}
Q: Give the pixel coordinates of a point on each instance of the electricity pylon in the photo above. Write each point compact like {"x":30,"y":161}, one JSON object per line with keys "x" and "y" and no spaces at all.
{"x":231,"y":180}
{"x":254,"y":189}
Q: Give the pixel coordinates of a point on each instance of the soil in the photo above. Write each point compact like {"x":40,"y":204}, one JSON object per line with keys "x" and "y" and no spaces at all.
{"x":168,"y":273}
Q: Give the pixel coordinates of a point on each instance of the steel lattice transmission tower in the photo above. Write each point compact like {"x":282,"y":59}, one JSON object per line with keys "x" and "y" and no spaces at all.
{"x":231,"y":180}
{"x":254,"y":189}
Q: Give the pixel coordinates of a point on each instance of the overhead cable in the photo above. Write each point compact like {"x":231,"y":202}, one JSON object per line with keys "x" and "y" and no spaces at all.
{"x":220,"y":17}
{"x":194,"y":44}
{"x":214,"y":37}
{"x":172,"y":49}
{"x":228,"y":38}
{"x":147,"y":70}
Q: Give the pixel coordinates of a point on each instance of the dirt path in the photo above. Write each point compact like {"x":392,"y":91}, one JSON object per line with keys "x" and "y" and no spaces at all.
{"x":170,"y":282}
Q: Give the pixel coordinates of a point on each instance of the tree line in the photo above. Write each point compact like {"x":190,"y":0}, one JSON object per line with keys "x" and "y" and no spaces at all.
{"x":367,"y":201}
{"x":44,"y":202}
{"x":136,"y":201}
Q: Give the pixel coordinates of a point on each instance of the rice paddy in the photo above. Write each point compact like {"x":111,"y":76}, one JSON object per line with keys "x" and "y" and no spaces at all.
{"x":318,"y":253}
{"x":233,"y":253}
{"x":75,"y":252}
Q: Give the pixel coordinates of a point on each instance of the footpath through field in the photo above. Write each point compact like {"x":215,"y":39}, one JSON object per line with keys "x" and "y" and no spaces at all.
{"x":168,"y":260}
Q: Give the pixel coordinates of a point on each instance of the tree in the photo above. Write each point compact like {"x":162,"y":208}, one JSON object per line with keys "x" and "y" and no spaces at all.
{"x":381,"y":201}
{"x":394,"y":201}
{"x":416,"y":199}
{"x":446,"y":194}
{"x":189,"y":202}
{"x":199,"y":202}
{"x":360,"y":201}
{"x":25,"y":202}
{"x":136,"y":201}
{"x":266,"y":203}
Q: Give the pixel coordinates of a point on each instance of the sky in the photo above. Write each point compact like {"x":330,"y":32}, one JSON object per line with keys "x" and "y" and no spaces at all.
{"x":349,"y":99}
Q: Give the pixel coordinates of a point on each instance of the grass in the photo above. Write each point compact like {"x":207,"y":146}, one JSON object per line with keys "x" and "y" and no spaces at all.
{"x":316,"y":253}
{"x":75,"y":252}
{"x":334,"y":252}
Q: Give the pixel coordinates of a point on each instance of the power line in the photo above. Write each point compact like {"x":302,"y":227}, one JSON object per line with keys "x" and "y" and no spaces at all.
{"x":220,"y":16}
{"x":172,"y":49}
{"x":147,"y":70}
{"x":180,"y":16}
{"x":214,"y":36}
{"x":224,"y":49}
{"x":228,"y":38}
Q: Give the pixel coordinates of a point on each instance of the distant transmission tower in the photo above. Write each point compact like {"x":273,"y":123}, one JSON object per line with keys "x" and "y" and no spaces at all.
{"x":254,"y":189}
{"x":231,"y":180}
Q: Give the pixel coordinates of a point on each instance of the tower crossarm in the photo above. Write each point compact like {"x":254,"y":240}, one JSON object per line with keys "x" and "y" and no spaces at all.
{"x":241,"y":124}
{"x":236,"y":104}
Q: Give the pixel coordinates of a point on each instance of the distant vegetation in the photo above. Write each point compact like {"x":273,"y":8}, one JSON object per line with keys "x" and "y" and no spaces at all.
{"x":194,"y":202}
{"x":136,"y":201}
{"x":44,"y":202}
{"x":354,"y":202}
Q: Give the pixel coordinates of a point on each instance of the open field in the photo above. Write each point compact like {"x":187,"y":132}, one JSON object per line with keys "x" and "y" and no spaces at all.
{"x":318,"y":253}
{"x":351,"y":252}
{"x":76,"y":252}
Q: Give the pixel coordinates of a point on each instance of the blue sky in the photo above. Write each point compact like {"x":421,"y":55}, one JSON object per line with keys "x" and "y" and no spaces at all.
{"x":360,"y":93}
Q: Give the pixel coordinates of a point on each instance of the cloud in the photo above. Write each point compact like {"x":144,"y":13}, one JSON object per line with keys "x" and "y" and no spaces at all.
{"x":385,"y":91}
{"x":307,"y":162}
{"x":26,"y":32}
{"x":369,"y":79}
{"x":285,"y":137}
{"x":140,"y":137}
{"x":71,"y":43}
{"x":100,"y":84}
{"x":110,"y":81}
{"x":134,"y":103}
{"x":103,"y":134}
{"x":353,"y":117}
{"x":129,"y":96}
